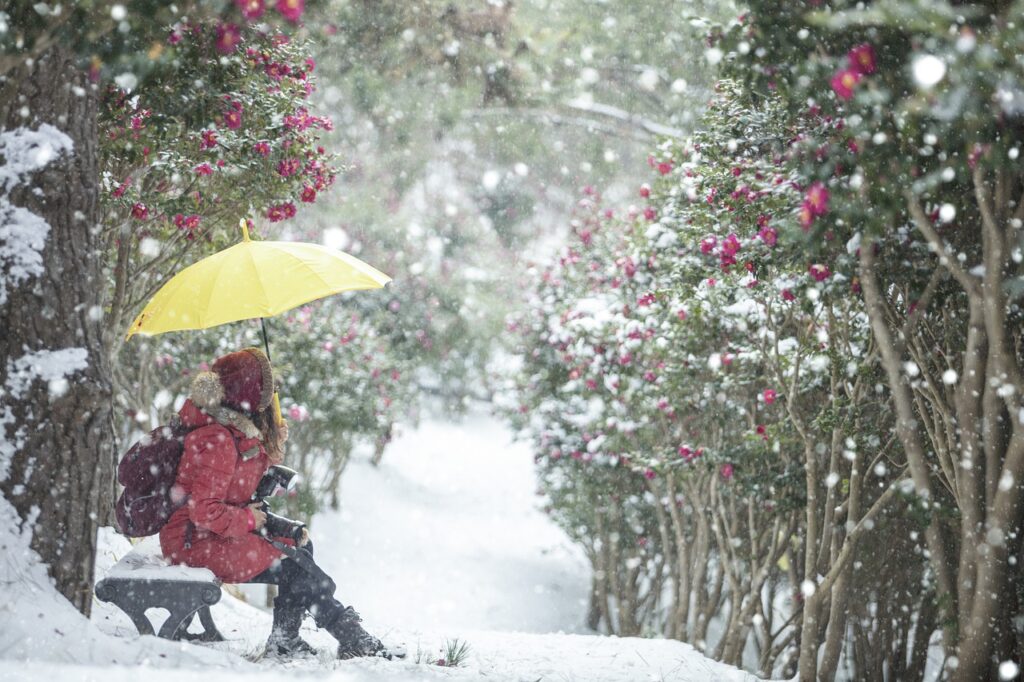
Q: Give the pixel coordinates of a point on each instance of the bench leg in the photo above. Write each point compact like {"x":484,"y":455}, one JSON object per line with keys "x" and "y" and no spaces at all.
{"x":176,"y":624}
{"x":210,"y":631}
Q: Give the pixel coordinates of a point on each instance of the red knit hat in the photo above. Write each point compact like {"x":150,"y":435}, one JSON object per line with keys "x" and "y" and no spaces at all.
{"x":242,"y":380}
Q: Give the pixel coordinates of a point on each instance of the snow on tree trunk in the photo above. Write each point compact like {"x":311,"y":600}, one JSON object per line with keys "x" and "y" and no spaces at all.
{"x":56,"y":466}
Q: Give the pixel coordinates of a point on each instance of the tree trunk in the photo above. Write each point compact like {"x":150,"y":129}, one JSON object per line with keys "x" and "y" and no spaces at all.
{"x":60,"y":473}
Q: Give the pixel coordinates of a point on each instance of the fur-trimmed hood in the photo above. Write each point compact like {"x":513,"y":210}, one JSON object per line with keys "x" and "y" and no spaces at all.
{"x":207,"y":394}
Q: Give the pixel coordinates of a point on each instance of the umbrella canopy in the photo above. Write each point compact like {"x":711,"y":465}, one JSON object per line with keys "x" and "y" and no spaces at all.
{"x":249,"y":280}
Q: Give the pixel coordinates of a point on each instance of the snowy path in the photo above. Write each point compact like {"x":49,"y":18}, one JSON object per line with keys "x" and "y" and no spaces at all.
{"x":446,"y":535}
{"x":442,"y":541}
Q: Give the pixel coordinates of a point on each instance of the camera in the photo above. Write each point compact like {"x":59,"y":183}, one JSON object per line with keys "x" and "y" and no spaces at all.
{"x":279,"y":480}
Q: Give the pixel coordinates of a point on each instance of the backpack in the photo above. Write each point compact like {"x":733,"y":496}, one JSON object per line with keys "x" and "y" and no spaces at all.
{"x":148,"y":472}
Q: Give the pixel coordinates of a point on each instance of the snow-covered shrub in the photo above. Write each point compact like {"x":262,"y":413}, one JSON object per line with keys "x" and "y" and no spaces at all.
{"x":698,"y":379}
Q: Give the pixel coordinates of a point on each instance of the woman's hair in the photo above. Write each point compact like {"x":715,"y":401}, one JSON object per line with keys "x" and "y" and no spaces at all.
{"x":267,"y":424}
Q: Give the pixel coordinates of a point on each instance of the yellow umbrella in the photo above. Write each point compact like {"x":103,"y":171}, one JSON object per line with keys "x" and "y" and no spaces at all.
{"x":249,"y":280}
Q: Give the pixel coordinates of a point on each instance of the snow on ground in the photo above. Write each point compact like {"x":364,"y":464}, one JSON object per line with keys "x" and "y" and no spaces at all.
{"x":447,"y":534}
{"x":443,"y":541}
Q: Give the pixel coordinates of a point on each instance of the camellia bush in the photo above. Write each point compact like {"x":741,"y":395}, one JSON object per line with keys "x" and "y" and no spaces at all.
{"x":222,"y":132}
{"x":922,"y":175}
{"x":703,"y":390}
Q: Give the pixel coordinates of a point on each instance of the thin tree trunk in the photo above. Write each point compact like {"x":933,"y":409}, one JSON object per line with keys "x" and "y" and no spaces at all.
{"x":60,"y":473}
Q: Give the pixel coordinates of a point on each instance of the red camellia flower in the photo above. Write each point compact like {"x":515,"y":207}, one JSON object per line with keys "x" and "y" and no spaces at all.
{"x":190,"y":223}
{"x":862,"y":59}
{"x":665,"y":167}
{"x":262,"y":148}
{"x":276,"y":70}
{"x":769,"y":396}
{"x":806,"y":215}
{"x":708,"y":244}
{"x":844,"y":82}
{"x":731,"y":245}
{"x":227,"y":38}
{"x":121,"y":189}
{"x":819,"y":272}
{"x":251,"y":9}
{"x":726,"y":471}
{"x":291,"y":9}
{"x":308,"y":194}
{"x":650,"y":214}
{"x":174,"y":38}
{"x":769,"y":235}
{"x":787,"y":295}
{"x":140,"y":212}
{"x":817,"y":198}
{"x":204,"y":169}
{"x":288,"y":167}
{"x":646,"y":300}
{"x":645,"y":190}
{"x":649,"y":474}
{"x":208,"y":140}
{"x":233,"y":116}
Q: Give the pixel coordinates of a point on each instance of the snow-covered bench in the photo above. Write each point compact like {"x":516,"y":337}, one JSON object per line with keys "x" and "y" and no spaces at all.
{"x":143,"y":579}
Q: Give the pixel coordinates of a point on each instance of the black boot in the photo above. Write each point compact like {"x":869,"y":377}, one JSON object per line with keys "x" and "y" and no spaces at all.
{"x":284,"y":641}
{"x":353,"y":640}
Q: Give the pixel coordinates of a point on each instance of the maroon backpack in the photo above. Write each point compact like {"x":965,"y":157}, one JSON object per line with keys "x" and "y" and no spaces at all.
{"x":148,"y":472}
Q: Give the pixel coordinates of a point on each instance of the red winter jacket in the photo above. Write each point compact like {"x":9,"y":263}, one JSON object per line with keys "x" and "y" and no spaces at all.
{"x":220,"y":481}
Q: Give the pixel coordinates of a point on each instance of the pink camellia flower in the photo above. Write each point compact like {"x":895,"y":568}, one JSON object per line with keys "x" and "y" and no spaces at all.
{"x":227,"y":38}
{"x":250,"y":9}
{"x":817,"y":198}
{"x":204,"y":169}
{"x":685,"y":452}
{"x":140,"y":212}
{"x":291,"y":9}
{"x":233,"y":117}
{"x":768,"y":235}
{"x":262,"y":148}
{"x":649,"y":474}
{"x":787,"y":295}
{"x":174,"y":38}
{"x":645,"y":191}
{"x":726,"y":471}
{"x":862,"y":59}
{"x":769,"y":396}
{"x":844,"y":82}
{"x":308,"y":194}
{"x":708,"y":244}
{"x":298,"y":413}
{"x":665,"y":167}
{"x":646,"y":300}
{"x":121,"y":189}
{"x":681,"y":315}
{"x":208,"y":139}
{"x":819,"y":272}
{"x":650,"y":214}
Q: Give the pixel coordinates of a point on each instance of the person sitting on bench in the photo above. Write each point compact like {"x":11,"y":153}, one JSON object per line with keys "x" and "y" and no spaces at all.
{"x":233,"y":439}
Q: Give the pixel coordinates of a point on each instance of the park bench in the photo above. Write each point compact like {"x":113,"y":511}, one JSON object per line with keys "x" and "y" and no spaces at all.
{"x":143,"y":579}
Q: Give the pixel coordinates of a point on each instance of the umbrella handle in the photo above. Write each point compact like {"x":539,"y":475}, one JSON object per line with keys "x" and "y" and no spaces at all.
{"x":278,"y":419}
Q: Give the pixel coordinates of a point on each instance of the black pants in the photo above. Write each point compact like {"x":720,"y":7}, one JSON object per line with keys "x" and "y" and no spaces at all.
{"x":301,"y":588}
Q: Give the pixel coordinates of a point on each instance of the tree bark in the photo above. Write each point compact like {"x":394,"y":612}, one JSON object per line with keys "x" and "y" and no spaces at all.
{"x":61,"y":471}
